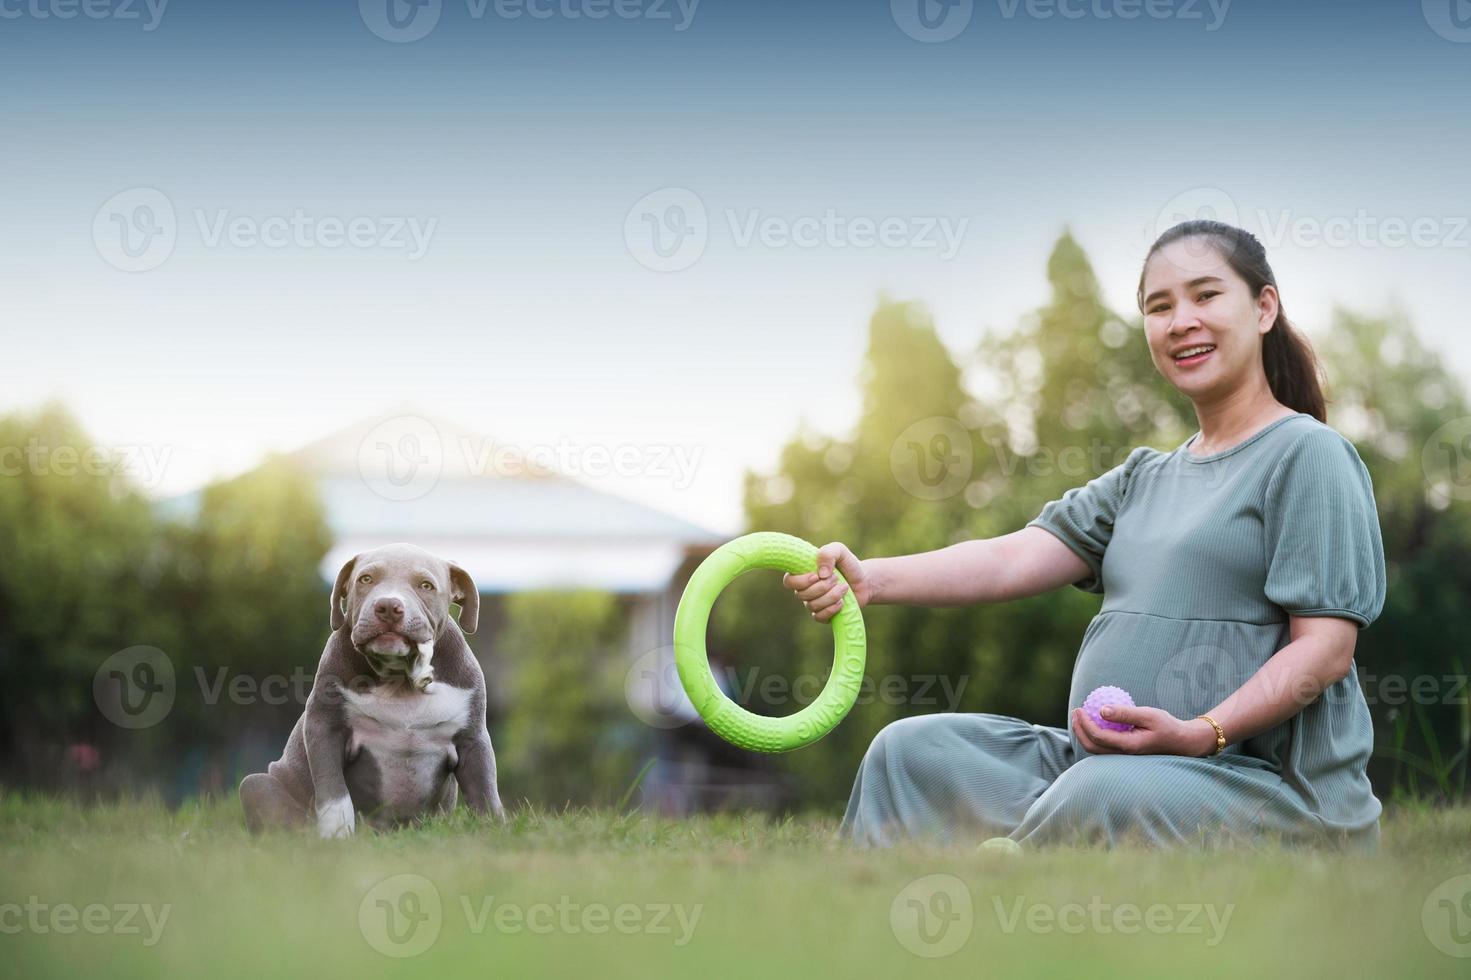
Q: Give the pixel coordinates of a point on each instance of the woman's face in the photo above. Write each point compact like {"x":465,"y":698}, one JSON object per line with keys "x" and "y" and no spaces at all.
{"x":1192,"y":298}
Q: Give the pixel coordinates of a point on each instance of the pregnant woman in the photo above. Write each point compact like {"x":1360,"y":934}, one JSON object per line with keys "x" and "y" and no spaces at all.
{"x":1236,"y":571}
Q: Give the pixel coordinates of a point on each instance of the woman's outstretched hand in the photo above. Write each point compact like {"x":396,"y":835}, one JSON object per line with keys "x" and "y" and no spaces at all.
{"x":1155,"y":732}
{"x":821,"y":592}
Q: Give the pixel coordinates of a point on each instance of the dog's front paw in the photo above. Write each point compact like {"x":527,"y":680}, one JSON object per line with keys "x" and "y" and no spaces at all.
{"x":335,"y":818}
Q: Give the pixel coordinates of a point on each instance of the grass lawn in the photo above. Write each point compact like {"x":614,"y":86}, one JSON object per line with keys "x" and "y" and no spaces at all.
{"x":139,"y":890}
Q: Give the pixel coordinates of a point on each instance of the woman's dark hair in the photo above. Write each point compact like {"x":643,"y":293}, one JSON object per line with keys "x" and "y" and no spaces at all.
{"x":1292,"y":368}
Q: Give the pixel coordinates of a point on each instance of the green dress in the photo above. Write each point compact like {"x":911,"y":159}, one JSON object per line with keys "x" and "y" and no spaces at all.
{"x":1200,"y":561}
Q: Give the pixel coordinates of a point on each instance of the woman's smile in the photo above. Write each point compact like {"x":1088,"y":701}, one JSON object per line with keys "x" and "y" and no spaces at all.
{"x":1198,"y":357}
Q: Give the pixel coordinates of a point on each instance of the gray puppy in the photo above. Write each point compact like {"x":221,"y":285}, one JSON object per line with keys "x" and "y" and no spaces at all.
{"x":396,"y":717}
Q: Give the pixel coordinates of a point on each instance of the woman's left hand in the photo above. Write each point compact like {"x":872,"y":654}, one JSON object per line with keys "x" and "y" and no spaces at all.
{"x":1155,"y":732}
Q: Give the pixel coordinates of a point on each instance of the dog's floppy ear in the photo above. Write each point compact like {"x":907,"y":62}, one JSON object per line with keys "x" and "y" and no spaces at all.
{"x":464,"y":592}
{"x":339,"y":594}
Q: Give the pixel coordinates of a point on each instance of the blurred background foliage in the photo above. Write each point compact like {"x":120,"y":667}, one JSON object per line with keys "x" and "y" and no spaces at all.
{"x":89,"y":566}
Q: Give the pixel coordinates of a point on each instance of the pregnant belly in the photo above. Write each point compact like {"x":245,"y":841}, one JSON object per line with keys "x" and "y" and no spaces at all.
{"x":1184,"y":666}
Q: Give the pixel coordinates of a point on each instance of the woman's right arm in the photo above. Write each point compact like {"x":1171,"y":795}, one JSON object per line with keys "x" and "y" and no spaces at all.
{"x":1024,"y":563}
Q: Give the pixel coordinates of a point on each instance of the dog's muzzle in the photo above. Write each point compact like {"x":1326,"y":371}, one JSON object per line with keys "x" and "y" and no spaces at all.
{"x":397,"y":650}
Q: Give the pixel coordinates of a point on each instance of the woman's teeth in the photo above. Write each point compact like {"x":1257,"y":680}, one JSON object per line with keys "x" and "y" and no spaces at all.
{"x":1194,"y":354}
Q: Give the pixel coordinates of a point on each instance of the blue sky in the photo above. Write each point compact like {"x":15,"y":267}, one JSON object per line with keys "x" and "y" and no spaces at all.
{"x":501,"y":169}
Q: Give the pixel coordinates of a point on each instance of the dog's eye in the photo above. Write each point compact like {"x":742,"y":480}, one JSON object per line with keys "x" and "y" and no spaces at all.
{"x":427,"y":585}
{"x":365,"y":579}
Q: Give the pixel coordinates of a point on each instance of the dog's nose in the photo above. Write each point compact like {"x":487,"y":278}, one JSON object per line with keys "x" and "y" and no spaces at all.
{"x":390,"y":610}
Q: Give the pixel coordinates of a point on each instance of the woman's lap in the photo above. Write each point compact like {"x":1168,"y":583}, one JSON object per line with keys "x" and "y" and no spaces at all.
{"x":970,"y":776}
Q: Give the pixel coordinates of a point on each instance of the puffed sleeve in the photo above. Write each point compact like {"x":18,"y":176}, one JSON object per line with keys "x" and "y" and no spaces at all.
{"x":1325,"y":556}
{"x":1083,"y":517}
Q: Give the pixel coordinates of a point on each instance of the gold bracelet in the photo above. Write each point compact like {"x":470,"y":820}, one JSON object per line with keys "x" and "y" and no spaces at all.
{"x":1220,"y":734}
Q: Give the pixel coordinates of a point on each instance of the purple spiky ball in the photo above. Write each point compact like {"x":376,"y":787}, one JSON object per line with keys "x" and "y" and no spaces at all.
{"x":1108,"y":695}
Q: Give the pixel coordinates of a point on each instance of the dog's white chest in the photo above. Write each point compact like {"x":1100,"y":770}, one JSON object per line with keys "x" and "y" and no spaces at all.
{"x":400,"y":721}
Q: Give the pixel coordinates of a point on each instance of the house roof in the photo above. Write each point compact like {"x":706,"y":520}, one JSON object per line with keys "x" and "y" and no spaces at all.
{"x":508,"y":520}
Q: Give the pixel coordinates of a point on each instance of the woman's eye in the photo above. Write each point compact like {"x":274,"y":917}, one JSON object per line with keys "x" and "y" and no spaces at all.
{"x":1158,"y":309}
{"x":365,"y":579}
{"x":1208,"y":294}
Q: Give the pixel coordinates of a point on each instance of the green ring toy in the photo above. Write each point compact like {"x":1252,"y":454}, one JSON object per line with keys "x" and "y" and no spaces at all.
{"x":760,"y":733}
